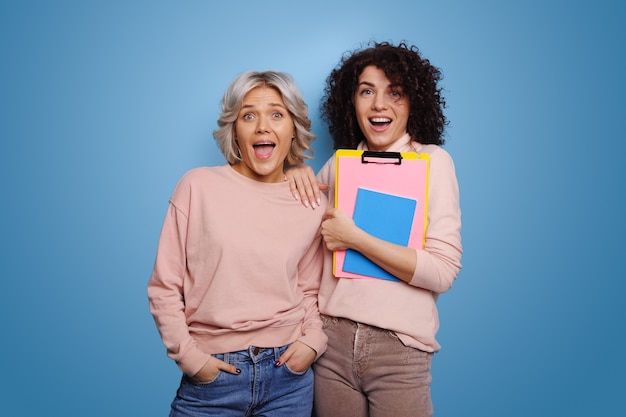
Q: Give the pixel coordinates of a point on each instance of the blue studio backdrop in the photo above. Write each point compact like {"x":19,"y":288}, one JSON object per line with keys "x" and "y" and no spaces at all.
{"x":104,"y":105}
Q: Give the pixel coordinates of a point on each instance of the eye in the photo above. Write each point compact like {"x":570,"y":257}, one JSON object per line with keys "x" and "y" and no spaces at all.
{"x":247,"y":116}
{"x":396,"y":94}
{"x":277,"y":115}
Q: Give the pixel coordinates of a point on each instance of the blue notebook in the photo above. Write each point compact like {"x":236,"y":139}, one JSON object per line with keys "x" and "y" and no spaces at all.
{"x":388,"y":217}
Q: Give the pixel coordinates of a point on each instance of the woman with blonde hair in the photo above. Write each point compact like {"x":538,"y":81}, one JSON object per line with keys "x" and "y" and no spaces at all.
{"x":234,"y":286}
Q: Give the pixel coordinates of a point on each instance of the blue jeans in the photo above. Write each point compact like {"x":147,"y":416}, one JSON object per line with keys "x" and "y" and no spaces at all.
{"x":367,"y":371}
{"x":261,"y":389}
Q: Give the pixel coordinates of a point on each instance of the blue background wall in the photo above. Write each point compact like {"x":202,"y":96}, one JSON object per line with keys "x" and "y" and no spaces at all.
{"x":104,"y":105}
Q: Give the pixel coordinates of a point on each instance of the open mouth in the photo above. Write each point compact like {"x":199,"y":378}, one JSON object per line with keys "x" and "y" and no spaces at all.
{"x":380,"y":121}
{"x":263,"y":149}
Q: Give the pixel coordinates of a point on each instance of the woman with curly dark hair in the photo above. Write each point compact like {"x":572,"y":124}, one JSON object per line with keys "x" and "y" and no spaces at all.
{"x":407,"y":72}
{"x":381,"y":332}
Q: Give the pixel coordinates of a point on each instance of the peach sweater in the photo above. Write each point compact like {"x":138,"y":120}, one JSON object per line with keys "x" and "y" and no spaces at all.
{"x":238,"y":263}
{"x":409,"y":310}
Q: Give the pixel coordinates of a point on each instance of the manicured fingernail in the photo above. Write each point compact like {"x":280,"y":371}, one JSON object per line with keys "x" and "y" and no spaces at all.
{"x":277,"y":363}
{"x":296,"y":196}
{"x":306,"y":203}
{"x":319,"y":201}
{"x":238,"y":371}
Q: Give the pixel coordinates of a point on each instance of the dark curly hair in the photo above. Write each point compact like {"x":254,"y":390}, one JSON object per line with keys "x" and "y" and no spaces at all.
{"x":404,"y":66}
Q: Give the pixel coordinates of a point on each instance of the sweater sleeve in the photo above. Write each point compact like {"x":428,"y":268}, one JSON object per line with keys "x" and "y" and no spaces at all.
{"x":165,"y":294}
{"x":438,"y":265}
{"x":309,"y":277}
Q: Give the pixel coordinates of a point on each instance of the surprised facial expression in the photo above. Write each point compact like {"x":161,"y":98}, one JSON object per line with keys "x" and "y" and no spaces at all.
{"x":382,"y":109}
{"x":264,"y":130}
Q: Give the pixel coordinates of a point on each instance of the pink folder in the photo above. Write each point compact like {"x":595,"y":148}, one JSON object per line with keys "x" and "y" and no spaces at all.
{"x":400,"y":174}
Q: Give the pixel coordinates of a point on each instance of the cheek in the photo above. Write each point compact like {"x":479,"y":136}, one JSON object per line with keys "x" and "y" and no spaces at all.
{"x":237,"y":130}
{"x":361,"y":117}
{"x":286,"y":131}
{"x":359,"y":107}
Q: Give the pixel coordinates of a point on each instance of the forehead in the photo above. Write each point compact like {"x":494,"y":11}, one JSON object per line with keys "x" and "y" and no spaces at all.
{"x":373,"y":75}
{"x":263,"y":95}
{"x":376,"y":77}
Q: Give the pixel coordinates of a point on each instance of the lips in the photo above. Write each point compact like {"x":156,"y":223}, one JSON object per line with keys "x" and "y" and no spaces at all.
{"x":376,"y":121}
{"x":263,"y":150}
{"x":379,"y":124}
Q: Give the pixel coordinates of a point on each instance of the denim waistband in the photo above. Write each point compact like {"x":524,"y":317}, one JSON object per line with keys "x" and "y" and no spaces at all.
{"x":252,"y":353}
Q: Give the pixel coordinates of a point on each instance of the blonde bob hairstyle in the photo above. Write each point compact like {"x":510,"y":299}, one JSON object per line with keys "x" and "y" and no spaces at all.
{"x":287,"y":88}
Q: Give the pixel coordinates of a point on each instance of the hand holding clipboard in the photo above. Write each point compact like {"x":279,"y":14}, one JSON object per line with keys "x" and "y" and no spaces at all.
{"x":386,"y":195}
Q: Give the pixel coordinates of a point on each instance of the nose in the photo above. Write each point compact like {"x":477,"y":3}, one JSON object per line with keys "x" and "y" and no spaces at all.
{"x":262,"y":125}
{"x":379,"y":102}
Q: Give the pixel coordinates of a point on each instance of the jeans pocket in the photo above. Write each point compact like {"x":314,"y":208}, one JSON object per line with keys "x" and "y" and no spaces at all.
{"x":328,"y":321}
{"x":194,"y":381}
{"x":393,"y":335}
{"x":292,"y":372}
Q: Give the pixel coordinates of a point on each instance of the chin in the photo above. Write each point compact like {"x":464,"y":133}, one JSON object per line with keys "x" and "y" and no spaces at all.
{"x":379,"y":144}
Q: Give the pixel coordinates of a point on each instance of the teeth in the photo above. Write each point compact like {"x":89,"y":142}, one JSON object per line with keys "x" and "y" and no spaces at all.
{"x":380,"y":120}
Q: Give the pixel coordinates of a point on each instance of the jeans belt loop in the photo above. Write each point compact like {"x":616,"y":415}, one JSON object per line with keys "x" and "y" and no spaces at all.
{"x":256,"y":350}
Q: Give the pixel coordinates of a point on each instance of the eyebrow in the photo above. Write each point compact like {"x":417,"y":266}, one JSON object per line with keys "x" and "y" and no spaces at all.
{"x":369,"y":84}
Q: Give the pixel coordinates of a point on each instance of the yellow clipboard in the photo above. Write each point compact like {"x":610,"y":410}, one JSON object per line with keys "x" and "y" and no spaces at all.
{"x":386,"y":194}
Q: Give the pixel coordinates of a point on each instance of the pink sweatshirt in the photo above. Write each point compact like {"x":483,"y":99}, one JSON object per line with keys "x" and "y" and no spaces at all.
{"x":407,"y":309}
{"x":239,"y":263}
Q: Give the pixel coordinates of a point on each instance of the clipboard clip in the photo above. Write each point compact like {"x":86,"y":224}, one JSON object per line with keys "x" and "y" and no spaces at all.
{"x":378,"y":157}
